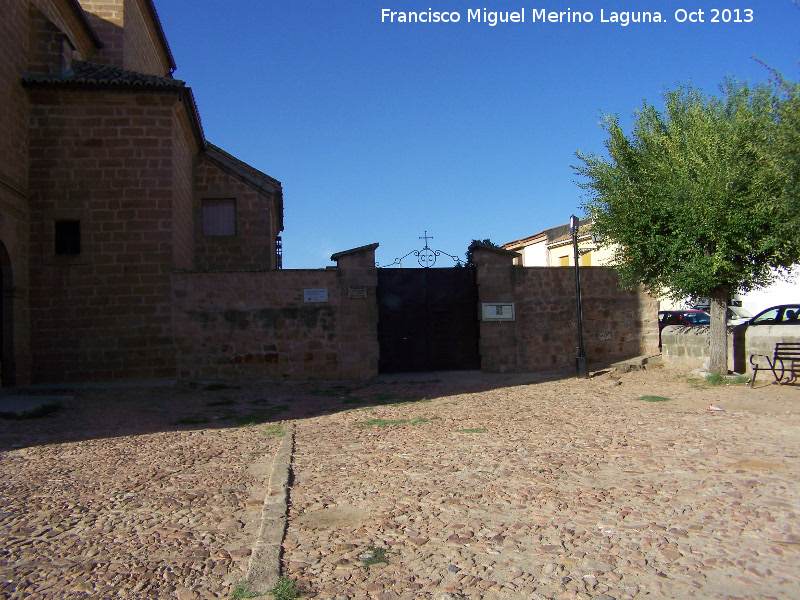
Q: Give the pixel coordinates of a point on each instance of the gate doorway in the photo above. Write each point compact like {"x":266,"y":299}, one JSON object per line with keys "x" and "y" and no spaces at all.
{"x":428,"y":320}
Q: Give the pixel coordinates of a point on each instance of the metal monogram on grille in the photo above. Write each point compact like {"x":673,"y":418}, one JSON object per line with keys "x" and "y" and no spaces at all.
{"x":426,"y":257}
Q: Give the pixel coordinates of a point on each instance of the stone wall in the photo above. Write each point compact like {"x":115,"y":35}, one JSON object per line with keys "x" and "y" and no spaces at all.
{"x":143,"y":50}
{"x":130,"y":38}
{"x":253,"y":246}
{"x":14,"y":194}
{"x":317,"y":324}
{"x":690,"y":346}
{"x":617,"y":324}
{"x":761,"y":339}
{"x":184,"y":150}
{"x":105,"y":160}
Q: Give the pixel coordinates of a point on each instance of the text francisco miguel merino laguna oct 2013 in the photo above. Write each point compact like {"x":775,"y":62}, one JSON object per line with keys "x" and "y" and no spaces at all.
{"x":544,"y":16}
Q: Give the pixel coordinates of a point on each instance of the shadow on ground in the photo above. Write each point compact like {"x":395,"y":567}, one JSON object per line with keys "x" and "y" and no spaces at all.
{"x":36,"y":416}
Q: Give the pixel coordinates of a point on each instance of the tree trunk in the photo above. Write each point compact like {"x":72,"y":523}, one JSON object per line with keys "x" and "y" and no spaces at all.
{"x":718,"y":335}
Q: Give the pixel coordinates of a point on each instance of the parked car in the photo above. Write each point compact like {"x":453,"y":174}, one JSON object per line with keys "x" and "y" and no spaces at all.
{"x":738,"y":315}
{"x":681,"y":317}
{"x":785,"y":314}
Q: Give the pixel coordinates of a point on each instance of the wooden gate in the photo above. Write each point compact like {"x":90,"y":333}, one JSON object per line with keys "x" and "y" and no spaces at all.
{"x":427,"y":320}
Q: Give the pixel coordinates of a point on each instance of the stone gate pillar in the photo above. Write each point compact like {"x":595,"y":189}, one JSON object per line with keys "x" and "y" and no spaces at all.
{"x":358,"y":312}
{"x":495,"y":274}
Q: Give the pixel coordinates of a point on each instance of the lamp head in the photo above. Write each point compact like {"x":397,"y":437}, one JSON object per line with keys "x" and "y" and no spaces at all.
{"x":573,"y":224}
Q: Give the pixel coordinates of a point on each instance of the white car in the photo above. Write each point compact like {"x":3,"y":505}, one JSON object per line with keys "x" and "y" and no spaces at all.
{"x":738,"y":315}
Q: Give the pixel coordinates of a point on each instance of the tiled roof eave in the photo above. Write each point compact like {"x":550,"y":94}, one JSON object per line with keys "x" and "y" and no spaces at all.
{"x":33,"y":81}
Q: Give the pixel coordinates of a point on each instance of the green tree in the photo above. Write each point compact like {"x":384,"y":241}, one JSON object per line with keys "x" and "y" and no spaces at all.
{"x":701,"y":198}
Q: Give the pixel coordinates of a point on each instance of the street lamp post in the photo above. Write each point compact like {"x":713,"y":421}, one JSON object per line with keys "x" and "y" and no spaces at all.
{"x":580,"y":361}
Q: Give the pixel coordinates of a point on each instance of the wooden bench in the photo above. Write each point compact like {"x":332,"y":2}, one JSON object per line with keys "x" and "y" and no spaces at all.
{"x":784,"y":362}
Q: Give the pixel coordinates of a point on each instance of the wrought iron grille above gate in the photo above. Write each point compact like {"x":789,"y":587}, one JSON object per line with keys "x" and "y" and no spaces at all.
{"x":426,"y":257}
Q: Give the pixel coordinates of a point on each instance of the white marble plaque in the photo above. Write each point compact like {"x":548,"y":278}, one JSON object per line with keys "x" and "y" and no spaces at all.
{"x":315,"y":295}
{"x":497,"y":311}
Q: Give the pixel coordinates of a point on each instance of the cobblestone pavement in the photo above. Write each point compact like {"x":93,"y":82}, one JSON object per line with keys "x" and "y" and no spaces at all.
{"x":445,"y":487}
{"x":560,"y":489}
{"x":135,"y":493}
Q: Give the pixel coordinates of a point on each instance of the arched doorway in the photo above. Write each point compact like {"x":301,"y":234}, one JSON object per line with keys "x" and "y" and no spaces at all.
{"x":8,"y":365}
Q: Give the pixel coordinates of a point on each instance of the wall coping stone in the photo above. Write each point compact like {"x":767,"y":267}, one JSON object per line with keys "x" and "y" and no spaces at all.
{"x":359,"y":250}
{"x":501,"y":251}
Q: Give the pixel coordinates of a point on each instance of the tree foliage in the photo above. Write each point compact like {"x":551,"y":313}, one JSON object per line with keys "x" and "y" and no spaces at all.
{"x":470,"y":262}
{"x":701,"y":199}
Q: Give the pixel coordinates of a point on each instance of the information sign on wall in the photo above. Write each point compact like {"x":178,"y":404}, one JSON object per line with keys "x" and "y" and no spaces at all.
{"x":497,"y":311}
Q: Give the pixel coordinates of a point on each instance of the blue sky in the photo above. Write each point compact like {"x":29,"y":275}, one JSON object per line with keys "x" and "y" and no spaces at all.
{"x":381,"y":131}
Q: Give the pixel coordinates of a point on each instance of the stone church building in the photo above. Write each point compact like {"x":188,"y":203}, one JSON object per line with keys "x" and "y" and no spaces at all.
{"x":132,"y":248}
{"x":108,"y":188}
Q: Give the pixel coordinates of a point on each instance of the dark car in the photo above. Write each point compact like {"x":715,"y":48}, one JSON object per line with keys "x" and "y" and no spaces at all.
{"x":785,"y":314}
{"x":681,"y":317}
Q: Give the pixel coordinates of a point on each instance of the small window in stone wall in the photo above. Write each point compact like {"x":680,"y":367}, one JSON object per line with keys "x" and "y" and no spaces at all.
{"x":68,"y":237}
{"x":218,"y":217}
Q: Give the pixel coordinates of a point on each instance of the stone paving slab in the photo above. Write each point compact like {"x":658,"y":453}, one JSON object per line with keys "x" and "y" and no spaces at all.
{"x":18,"y":405}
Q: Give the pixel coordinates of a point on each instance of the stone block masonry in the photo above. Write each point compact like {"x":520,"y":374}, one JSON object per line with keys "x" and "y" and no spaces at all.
{"x":277,"y":325}
{"x":256,"y":325}
{"x":106,"y":162}
{"x":617,"y":323}
{"x":260,"y":325}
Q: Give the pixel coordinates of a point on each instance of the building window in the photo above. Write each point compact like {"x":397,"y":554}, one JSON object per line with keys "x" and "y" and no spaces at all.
{"x":218,"y":217}
{"x":68,"y":237}
{"x":278,"y":253}
{"x":586,"y":260}
{"x":564,"y":261}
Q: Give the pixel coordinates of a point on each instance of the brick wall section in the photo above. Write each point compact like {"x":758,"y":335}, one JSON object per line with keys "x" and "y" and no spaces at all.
{"x":47,"y":45}
{"x":255,"y":326}
{"x":130,"y":38}
{"x":142,"y":46}
{"x":34,"y":38}
{"x":253,"y":246}
{"x":617,"y":324}
{"x":498,"y":340}
{"x":105,"y":159}
{"x":106,"y":17}
{"x":184,"y":150}
{"x":14,"y":32}
{"x":358,"y":283}
{"x":65,"y":19}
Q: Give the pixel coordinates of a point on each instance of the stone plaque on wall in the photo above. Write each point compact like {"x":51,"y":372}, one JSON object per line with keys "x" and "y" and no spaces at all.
{"x":357,"y":291}
{"x":497,"y":311}
{"x":315,"y":295}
